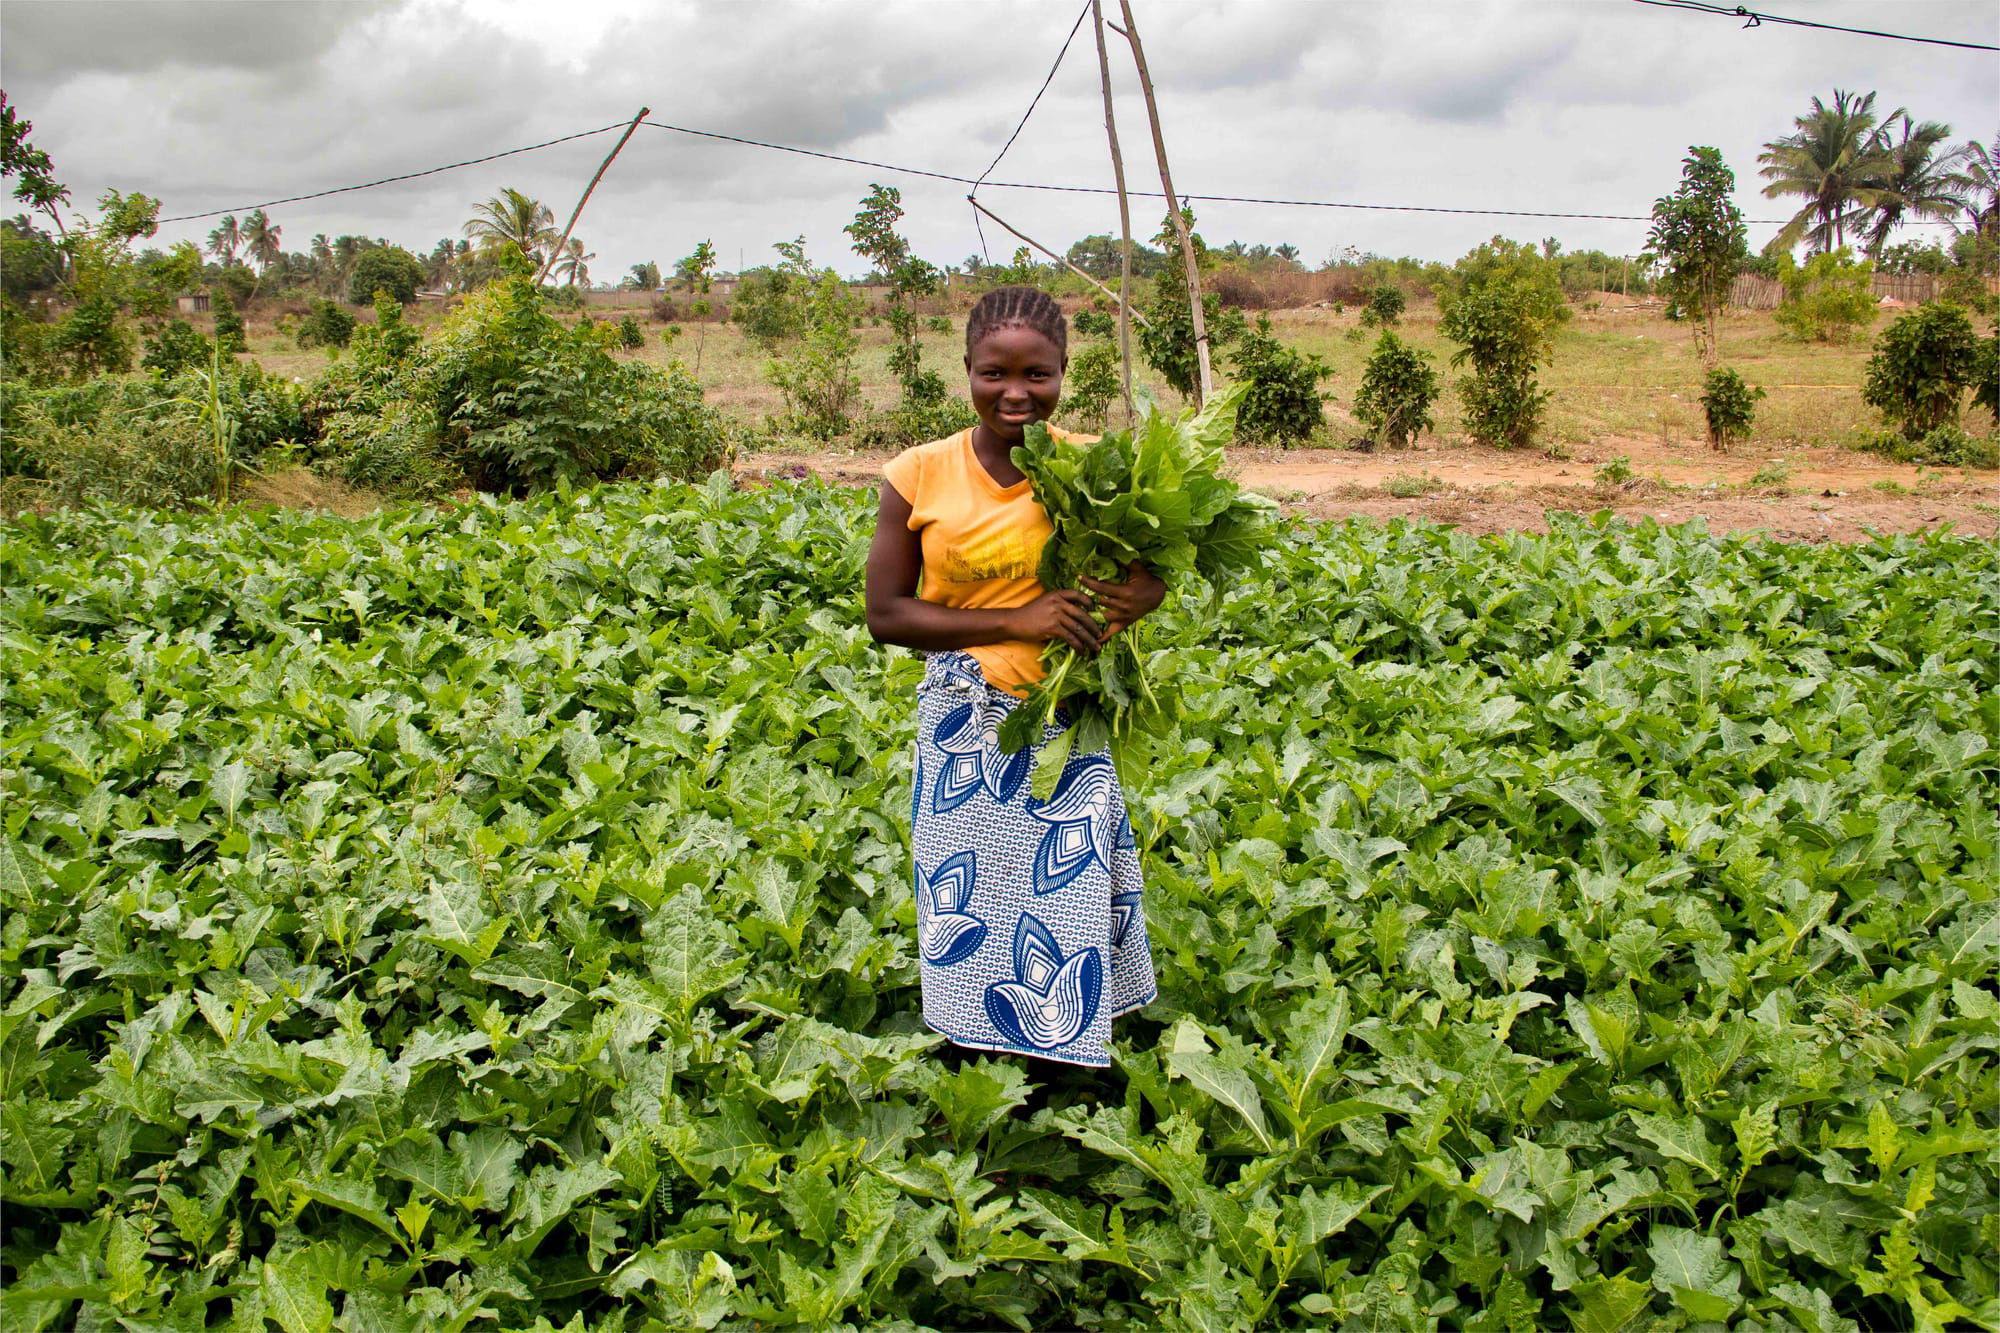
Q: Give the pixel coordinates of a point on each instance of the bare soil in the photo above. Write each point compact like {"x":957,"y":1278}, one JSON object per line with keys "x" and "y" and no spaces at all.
{"x":1808,"y":494}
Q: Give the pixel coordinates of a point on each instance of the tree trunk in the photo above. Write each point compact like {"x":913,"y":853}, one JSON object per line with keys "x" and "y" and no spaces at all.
{"x":1124,"y":216}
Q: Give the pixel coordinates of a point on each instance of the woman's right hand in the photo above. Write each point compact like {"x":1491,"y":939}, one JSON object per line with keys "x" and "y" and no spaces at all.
{"x":1064,"y":614}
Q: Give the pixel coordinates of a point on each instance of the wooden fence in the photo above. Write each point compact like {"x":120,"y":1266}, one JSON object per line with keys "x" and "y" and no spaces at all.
{"x":1754,"y":293}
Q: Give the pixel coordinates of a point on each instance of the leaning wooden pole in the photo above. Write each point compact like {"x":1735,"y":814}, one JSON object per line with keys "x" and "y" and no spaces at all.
{"x":577,"y":212}
{"x":1124,"y":215}
{"x":1060,"y":259}
{"x":1207,"y":385}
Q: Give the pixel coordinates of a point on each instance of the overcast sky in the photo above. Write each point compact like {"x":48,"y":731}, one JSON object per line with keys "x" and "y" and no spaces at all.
{"x":1562,"y":105}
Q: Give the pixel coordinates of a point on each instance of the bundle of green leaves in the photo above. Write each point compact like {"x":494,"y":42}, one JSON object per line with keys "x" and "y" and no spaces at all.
{"x":1155,"y":494}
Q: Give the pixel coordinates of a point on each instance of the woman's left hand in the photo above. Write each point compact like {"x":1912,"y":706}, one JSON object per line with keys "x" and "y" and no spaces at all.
{"x":1123,"y":603}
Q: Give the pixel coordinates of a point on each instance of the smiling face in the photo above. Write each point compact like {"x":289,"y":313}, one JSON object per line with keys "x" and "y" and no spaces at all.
{"x":1016,"y":378}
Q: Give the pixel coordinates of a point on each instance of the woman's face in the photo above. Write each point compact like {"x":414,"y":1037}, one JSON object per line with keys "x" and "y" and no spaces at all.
{"x":1016,"y":378}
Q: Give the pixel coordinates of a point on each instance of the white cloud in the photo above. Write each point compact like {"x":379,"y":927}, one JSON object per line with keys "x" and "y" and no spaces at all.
{"x":1564,"y":106}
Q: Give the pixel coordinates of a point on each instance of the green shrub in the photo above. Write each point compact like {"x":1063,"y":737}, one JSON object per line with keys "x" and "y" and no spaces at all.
{"x":92,"y":340}
{"x":767,"y":307}
{"x":380,"y":348}
{"x":1167,"y":344}
{"x":1283,"y":404}
{"x":1986,"y":376}
{"x":630,"y":336}
{"x":1922,"y":366}
{"x":229,"y":334}
{"x":1729,"y":404}
{"x":1398,"y":387}
{"x":325,"y":325}
{"x":118,"y":442}
{"x":1944,"y":446}
{"x":1503,"y":302}
{"x":816,"y":375}
{"x":385,"y":268}
{"x":1385,"y":307}
{"x":176,"y":347}
{"x":1829,"y":300}
{"x":1615,"y":472}
{"x":1090,"y":386}
{"x":1094,"y":323}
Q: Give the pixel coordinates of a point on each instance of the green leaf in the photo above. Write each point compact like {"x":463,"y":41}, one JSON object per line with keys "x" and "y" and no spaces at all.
{"x":295,"y":1295}
{"x":689,"y":954}
{"x":1680,"y":1138}
{"x":1228,"y":1085}
{"x":1689,"y":1267}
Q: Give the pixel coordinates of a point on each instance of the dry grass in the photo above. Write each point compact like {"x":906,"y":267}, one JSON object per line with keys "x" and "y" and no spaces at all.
{"x":302,"y":488}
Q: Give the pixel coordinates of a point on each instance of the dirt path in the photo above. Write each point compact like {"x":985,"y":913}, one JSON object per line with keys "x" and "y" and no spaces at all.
{"x":1803,"y":495}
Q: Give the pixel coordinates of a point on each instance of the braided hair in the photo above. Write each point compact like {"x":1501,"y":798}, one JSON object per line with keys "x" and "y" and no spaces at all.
{"x":1023,"y":307}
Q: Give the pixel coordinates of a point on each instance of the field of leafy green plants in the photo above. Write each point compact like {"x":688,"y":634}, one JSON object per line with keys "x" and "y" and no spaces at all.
{"x":499,"y":917}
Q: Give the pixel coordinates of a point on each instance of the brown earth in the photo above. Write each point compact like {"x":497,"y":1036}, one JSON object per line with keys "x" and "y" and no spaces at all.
{"x":1809,"y":495}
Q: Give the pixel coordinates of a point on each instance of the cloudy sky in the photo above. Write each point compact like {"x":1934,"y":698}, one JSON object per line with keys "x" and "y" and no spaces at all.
{"x":1580,"y":106}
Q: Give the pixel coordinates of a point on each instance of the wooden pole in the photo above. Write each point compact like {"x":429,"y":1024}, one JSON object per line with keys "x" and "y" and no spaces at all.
{"x":1051,"y":254}
{"x":1124,"y":215}
{"x":1131,"y":34}
{"x":577,"y":212}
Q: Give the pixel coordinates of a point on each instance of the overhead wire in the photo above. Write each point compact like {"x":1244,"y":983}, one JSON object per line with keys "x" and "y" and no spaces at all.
{"x":391,"y":180}
{"x":1758,"y":19}
{"x":1033,"y":102}
{"x":967,"y":180}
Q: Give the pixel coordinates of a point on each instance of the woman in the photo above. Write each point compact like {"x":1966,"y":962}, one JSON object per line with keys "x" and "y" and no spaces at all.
{"x":1029,"y":921}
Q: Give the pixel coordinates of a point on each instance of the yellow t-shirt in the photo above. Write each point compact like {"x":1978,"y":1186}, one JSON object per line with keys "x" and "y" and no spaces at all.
{"x":982,"y":542}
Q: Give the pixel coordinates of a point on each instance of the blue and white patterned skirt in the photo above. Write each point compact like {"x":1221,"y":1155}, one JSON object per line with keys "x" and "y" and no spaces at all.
{"x":1029,"y":921}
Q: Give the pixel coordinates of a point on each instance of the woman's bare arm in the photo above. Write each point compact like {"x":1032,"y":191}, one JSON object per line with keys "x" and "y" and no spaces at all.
{"x":897,"y":615}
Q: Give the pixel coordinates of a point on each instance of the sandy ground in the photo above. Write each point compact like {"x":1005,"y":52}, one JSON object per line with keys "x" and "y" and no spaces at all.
{"x":1812,"y":495}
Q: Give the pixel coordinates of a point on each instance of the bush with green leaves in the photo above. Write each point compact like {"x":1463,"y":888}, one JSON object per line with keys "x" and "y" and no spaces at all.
{"x":385,"y":268}
{"x":1922,"y":366}
{"x":1090,"y":386}
{"x":1398,"y":387}
{"x":1503,"y":303}
{"x":92,"y":340}
{"x":380,"y":348}
{"x":1384,"y":308}
{"x":816,"y":372}
{"x":1830,"y":300}
{"x":1942,"y":446}
{"x":126,"y":442}
{"x":1090,"y":323}
{"x":767,"y":305}
{"x":229,"y":334}
{"x":1167,"y":343}
{"x":1283,"y":403}
{"x":326,"y":325}
{"x":176,"y":347}
{"x":1986,"y":376}
{"x":630,"y":336}
{"x":1730,"y":406}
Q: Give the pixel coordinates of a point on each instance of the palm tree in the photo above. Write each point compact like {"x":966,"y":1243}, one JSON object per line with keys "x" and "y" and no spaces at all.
{"x":574,"y":264}
{"x":1834,"y":161}
{"x":224,"y":240}
{"x":643,"y":278}
{"x":1920,"y":182}
{"x":262,"y":240}
{"x":1982,"y":195}
{"x":512,"y":218}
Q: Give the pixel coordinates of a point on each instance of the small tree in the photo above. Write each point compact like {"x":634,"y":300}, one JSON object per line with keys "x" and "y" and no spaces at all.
{"x":1503,"y":301}
{"x":1398,"y":387}
{"x":1730,"y":405}
{"x":1283,"y":404}
{"x":817,"y":375}
{"x":228,"y":324}
{"x":1090,"y":385}
{"x":1699,"y":241}
{"x":385,"y":268}
{"x":177,"y":348}
{"x":1167,"y":343}
{"x":1922,"y":366}
{"x":1385,"y":307}
{"x":325,"y":325}
{"x":876,"y":240}
{"x":696,"y":272}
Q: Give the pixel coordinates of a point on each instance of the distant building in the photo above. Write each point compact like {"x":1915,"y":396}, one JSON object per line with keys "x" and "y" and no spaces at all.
{"x":193,"y":305}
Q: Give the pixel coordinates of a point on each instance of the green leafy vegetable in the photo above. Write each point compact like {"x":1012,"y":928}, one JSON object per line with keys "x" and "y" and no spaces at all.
{"x":1154,"y":494}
